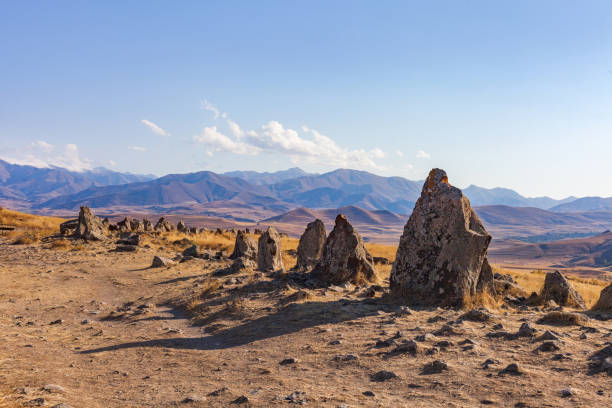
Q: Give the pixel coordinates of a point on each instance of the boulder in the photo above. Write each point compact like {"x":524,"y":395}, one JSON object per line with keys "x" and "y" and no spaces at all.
{"x":558,"y":289}
{"x":191,"y":251}
{"x":90,"y":227}
{"x":181,"y":227}
{"x":125,"y":225}
{"x":310,"y":247}
{"x":345,"y":258}
{"x":159,"y":262}
{"x":269,"y":251}
{"x":244,"y":246}
{"x":163,"y":225}
{"x":147,"y":225}
{"x":137,"y":226}
{"x":69,"y":227}
{"x":441,"y":257}
{"x":605,"y":300}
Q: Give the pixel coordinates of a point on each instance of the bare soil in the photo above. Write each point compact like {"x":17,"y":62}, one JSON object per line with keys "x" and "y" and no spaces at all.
{"x":109,"y":331}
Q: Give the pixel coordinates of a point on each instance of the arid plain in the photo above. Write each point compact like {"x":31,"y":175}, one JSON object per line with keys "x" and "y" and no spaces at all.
{"x":87,"y":325}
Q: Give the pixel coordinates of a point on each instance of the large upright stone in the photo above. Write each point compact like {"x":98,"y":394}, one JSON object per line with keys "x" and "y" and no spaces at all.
{"x":605,"y":300}
{"x":558,"y":289}
{"x":345,"y":257}
{"x":441,"y":257}
{"x":245,"y":246}
{"x":269,"y":251}
{"x":310,"y":248}
{"x":90,"y":227}
{"x":164,"y":225}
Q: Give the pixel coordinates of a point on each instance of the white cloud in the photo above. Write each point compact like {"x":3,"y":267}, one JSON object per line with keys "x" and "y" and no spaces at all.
{"x":399,"y":153}
{"x":422,"y":155}
{"x":156,"y":129}
{"x":211,"y":108}
{"x":43,"y":154}
{"x":112,"y":163}
{"x":42,"y":145}
{"x":273,"y":137}
{"x":235,"y":129}
{"x":214,"y":140}
{"x":137,"y":148}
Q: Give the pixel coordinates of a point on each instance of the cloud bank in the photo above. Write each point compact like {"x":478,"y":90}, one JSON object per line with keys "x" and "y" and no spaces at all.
{"x":42,"y":154}
{"x":307,"y":145}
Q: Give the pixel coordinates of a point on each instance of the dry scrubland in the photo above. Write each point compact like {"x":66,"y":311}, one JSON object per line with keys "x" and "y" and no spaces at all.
{"x":111,"y":331}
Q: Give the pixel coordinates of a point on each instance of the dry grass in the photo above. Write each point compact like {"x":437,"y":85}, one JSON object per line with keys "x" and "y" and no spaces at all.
{"x":564,"y":319}
{"x":533,"y":281}
{"x":29,"y":228}
{"x":205,"y":240}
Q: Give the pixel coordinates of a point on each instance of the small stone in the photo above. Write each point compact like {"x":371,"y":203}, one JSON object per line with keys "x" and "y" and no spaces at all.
{"x":526,"y":330}
{"x":159,"y":262}
{"x":345,"y":357}
{"x":54,"y":388}
{"x":218,"y":392}
{"x":241,"y":400}
{"x":477,"y":315}
{"x":435,"y":367}
{"x":288,"y":361}
{"x":335,"y":342}
{"x":383,"y":376}
{"x":548,"y":346}
{"x":511,"y":369}
{"x":369,"y":393}
{"x":567,"y":393}
{"x":58,"y":321}
{"x":548,"y":336}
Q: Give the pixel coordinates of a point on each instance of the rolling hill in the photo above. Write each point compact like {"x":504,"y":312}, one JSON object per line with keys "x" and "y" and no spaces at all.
{"x":585,"y":204}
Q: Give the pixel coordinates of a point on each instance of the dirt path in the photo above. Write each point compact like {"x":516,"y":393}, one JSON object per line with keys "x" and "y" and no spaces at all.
{"x":95,"y":323}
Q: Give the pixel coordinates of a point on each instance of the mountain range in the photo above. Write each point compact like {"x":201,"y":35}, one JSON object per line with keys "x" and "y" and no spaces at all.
{"x":57,"y":188}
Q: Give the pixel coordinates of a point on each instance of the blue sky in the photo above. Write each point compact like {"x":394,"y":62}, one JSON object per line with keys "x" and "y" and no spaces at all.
{"x":507,"y":93}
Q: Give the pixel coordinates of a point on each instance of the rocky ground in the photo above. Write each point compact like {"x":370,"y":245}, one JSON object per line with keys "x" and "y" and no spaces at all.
{"x":96,"y":328}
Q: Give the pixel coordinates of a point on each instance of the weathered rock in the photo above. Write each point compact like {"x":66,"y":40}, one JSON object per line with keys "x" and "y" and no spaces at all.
{"x":441,"y":258}
{"x":147,"y":225}
{"x":269,"y":251}
{"x":125,"y":225}
{"x":130,"y":240}
{"x":181,"y":227}
{"x":68,"y":227}
{"x":244,"y":247}
{"x":159,"y":262}
{"x":163,"y":225}
{"x":90,"y":227}
{"x":311,"y":245}
{"x":345,"y":258}
{"x":191,"y":251}
{"x":558,"y":289}
{"x":137,"y":226}
{"x":605,"y":300}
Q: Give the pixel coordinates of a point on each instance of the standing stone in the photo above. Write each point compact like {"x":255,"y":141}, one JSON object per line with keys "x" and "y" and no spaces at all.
{"x":125,"y":225}
{"x":164,"y":226}
{"x":558,"y":289}
{"x":147,"y":225}
{"x":90,"y":227}
{"x":269,"y":252}
{"x":345,"y":258}
{"x":310,"y":248}
{"x":245,"y":246}
{"x":441,"y":258}
{"x":605,"y":300}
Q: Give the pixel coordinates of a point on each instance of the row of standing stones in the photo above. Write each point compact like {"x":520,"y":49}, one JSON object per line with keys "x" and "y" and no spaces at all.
{"x":441,"y":259}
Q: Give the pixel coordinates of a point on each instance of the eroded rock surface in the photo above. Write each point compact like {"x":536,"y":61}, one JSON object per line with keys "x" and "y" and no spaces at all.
{"x":345,"y":257}
{"x":310,"y":247}
{"x":558,"y":289}
{"x":441,"y":258}
{"x":90,"y":227}
{"x":269,"y":251}
{"x":605,"y":300}
{"x":244,"y":247}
